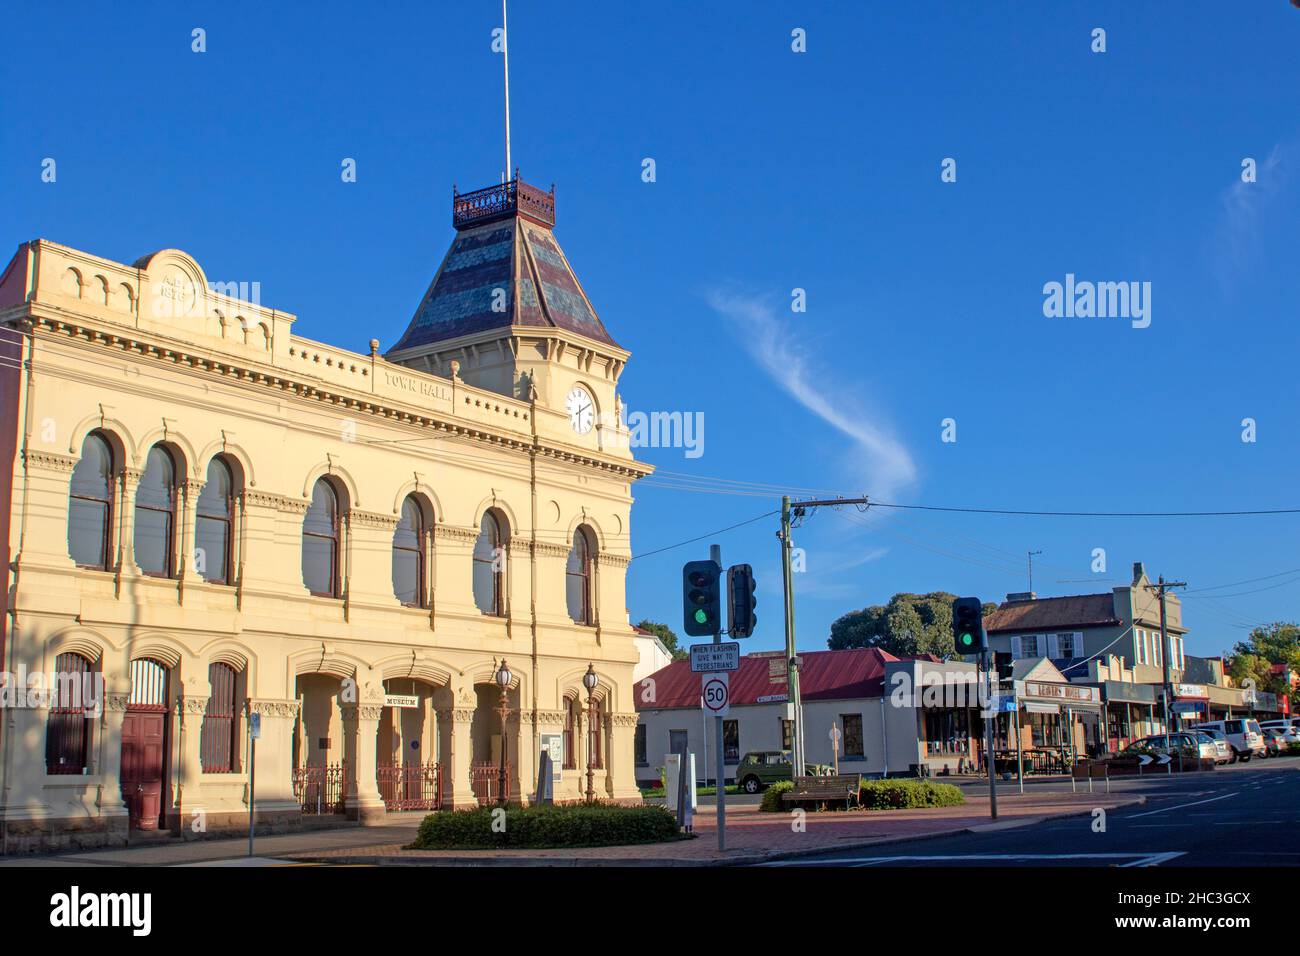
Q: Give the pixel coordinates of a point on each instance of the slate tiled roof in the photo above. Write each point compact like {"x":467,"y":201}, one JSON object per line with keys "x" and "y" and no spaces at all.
{"x":826,"y":675}
{"x":1053,"y":613}
{"x":523,"y":260}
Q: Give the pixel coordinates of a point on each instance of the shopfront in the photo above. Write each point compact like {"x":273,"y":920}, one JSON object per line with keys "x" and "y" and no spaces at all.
{"x":1189,"y":706}
{"x":1130,"y":712}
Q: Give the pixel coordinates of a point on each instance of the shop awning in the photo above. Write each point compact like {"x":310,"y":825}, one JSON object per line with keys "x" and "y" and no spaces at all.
{"x":1037,"y":707}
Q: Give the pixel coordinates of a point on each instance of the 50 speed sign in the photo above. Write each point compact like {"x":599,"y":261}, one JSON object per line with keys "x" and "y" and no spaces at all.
{"x":715,"y":691}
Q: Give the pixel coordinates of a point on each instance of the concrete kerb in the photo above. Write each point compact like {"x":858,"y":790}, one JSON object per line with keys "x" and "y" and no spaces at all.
{"x":748,"y":859}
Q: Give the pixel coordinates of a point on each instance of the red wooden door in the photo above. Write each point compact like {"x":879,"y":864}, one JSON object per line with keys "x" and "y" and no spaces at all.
{"x":142,"y":767}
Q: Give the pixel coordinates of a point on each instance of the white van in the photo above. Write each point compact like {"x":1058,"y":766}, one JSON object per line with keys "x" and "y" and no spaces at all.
{"x":1244,"y":736}
{"x":1288,"y":726}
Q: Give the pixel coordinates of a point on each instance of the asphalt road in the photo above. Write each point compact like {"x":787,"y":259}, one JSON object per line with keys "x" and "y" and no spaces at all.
{"x":1240,"y":815}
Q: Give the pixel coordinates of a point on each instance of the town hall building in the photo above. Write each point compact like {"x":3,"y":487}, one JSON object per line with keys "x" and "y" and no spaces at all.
{"x":398,"y":567}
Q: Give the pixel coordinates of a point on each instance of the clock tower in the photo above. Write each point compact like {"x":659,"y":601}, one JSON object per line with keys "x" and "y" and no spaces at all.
{"x":506,"y":312}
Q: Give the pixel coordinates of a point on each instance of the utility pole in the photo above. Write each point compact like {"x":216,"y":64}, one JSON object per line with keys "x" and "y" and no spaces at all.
{"x":1161,"y":588}
{"x":1031,"y":568}
{"x":715,"y":552}
{"x":796,"y":510}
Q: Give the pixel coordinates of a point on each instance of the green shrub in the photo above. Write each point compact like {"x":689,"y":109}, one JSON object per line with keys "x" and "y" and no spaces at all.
{"x":575,"y":825}
{"x":772,"y":795}
{"x":899,"y":794}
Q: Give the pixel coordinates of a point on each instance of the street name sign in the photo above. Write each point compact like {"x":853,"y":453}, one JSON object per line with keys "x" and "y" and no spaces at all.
{"x":715,"y":692}
{"x":710,"y":658}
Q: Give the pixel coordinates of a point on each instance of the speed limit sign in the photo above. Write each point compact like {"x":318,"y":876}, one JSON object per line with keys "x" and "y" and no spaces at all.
{"x":716,"y":694}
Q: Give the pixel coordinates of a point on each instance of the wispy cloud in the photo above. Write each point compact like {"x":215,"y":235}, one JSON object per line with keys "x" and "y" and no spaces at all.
{"x":878,"y":463}
{"x":1243,"y":206}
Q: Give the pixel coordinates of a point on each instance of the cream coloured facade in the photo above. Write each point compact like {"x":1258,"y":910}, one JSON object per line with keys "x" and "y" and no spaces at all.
{"x":373,"y":694}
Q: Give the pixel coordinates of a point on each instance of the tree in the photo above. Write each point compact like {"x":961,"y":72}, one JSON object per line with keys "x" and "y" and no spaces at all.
{"x":666,"y":636}
{"x":910,"y":624}
{"x":1278,"y":643}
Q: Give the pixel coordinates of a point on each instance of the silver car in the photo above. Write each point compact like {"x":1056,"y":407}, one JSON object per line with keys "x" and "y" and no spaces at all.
{"x":1223,"y":752}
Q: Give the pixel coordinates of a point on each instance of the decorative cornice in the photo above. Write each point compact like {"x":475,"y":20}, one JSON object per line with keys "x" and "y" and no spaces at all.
{"x":451,"y":532}
{"x":613,"y":560}
{"x":519,"y":545}
{"x":456,"y":715}
{"x":275,"y":708}
{"x":547,"y":550}
{"x":265,"y":499}
{"x":278,"y":378}
{"x":194,"y":705}
{"x":549,"y":717}
{"x":49,"y":461}
{"x":352,"y":713}
{"x":370,"y":519}
{"x":623,"y":720}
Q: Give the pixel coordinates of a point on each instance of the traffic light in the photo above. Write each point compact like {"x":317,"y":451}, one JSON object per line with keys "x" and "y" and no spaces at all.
{"x":701,"y":603}
{"x":968,"y":626}
{"x":741,"y":602}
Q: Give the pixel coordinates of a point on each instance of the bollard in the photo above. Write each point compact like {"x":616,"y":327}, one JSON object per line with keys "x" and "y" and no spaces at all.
{"x":1090,"y":776}
{"x":1107,"y":775}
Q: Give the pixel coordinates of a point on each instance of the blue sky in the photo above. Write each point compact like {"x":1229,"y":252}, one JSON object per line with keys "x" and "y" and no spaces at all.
{"x":775,"y":171}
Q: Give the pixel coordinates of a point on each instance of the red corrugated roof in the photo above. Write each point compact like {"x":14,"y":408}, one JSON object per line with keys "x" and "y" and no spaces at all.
{"x":826,"y":675}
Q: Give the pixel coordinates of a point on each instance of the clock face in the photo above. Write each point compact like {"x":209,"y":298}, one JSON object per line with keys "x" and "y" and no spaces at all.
{"x":581,"y":409}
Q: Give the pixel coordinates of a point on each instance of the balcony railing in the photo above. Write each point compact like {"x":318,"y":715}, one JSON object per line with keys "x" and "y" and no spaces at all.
{"x":410,"y":786}
{"x":500,"y":201}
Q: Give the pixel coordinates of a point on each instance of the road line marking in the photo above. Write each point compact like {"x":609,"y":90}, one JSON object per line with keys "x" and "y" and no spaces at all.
{"x":871,"y":860}
{"x":1155,"y":859}
{"x":1182,"y":805}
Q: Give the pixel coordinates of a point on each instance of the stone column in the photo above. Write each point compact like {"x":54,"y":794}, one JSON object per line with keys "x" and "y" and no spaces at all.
{"x":274,"y":783}
{"x":188,"y":521}
{"x":109,"y":756}
{"x":360,"y":728}
{"x":620,"y":759}
{"x":189,"y":791}
{"x":456,"y":751}
{"x":129,"y":484}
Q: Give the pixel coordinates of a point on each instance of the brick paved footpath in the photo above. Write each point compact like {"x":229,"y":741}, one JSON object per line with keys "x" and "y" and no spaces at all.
{"x":753,"y":836}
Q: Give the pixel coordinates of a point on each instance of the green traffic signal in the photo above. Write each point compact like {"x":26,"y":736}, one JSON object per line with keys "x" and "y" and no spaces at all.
{"x":966,"y":640}
{"x":701,"y":616}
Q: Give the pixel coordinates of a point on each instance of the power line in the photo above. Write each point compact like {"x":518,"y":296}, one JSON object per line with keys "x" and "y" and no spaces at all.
{"x":679,"y":544}
{"x":1090,"y":514}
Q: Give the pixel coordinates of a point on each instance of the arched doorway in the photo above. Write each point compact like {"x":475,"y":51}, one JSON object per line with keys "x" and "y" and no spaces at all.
{"x":319,"y":770}
{"x":489,"y":744}
{"x":407,"y":769}
{"x":145,"y":742}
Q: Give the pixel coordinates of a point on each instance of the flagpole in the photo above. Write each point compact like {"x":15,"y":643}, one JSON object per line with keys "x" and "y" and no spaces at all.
{"x":505,"y":55}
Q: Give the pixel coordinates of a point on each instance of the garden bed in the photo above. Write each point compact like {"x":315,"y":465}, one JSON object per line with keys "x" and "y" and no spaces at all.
{"x":546,"y":827}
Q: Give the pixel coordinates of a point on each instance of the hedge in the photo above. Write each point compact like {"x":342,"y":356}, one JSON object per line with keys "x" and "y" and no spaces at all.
{"x":896,"y":794}
{"x":772,"y":795}
{"x":575,"y":825}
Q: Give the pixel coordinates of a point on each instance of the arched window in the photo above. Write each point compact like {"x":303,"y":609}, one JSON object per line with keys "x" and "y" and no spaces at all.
{"x":155,"y":515}
{"x":67,"y":729}
{"x":409,"y":544}
{"x":320,"y":542}
{"x":595,"y":726}
{"x":217,"y":741}
{"x":148,"y":686}
{"x":214,"y":524}
{"x":489,"y":560}
{"x":577,"y":578}
{"x":90,"y":505}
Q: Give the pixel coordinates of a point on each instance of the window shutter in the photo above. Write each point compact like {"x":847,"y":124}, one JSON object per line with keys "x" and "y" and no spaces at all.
{"x":1015,"y":648}
{"x":1053,"y":646}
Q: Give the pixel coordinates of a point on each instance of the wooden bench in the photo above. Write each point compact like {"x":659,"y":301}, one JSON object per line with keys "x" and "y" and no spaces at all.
{"x":821,"y":790}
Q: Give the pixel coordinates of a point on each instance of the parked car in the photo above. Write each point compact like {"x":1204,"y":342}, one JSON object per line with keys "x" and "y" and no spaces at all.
{"x":759,"y":769}
{"x":1222,"y":750}
{"x":1275,"y":742}
{"x":1243,"y":736}
{"x":1288,"y":728}
{"x":1183,"y":743}
{"x":1209,"y":750}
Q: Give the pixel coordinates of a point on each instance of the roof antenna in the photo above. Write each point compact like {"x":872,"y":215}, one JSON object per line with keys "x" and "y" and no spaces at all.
{"x":505,"y":56}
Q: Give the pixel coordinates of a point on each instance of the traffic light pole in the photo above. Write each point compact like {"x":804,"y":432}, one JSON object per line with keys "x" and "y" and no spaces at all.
{"x":715,"y":552}
{"x":1164,"y":658}
{"x":988,"y":735}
